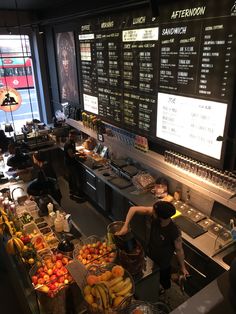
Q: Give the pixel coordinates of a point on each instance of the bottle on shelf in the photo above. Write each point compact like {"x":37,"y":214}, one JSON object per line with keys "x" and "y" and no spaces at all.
{"x":59,"y":221}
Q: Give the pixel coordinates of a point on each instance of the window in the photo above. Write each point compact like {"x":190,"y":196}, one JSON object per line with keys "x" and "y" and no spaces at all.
{"x":16,"y":71}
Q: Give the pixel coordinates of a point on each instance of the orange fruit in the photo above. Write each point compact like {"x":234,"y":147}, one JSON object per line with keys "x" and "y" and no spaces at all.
{"x":117,"y":271}
{"x":92,"y":279}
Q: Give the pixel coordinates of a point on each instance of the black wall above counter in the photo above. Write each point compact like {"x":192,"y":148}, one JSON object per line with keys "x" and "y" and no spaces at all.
{"x":170,"y":79}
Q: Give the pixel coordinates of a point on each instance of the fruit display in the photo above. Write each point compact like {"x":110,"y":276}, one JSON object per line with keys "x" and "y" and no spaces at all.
{"x":52,"y":276}
{"x":39,"y":243}
{"x":14,"y":245}
{"x":108,"y":289}
{"x":26,"y":218}
{"x":96,"y":252}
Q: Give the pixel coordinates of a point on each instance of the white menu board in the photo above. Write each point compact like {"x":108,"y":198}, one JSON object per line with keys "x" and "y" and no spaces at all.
{"x":90,"y":103}
{"x":191,"y":122}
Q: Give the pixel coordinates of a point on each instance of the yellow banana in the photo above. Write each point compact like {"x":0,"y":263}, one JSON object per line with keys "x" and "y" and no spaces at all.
{"x":98,"y":297}
{"x":18,"y":243}
{"x":10,"y":247}
{"x":103,"y":295}
{"x":114,"y":281}
{"x":125,"y":290}
{"x":119,"y":286}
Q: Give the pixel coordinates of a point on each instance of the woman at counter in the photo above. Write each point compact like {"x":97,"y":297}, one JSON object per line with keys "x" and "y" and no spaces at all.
{"x":165,"y":238}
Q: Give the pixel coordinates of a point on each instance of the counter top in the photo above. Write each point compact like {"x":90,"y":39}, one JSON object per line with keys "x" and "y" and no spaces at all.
{"x":213,"y":299}
{"x":205,"y":243}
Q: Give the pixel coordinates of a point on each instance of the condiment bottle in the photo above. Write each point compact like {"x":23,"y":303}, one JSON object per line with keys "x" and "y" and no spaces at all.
{"x":58,"y":222}
{"x":50,"y":208}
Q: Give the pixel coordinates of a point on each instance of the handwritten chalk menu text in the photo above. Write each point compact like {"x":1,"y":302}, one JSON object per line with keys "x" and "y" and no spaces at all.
{"x":169,"y":78}
{"x":118,"y":61}
{"x":196,"y":74}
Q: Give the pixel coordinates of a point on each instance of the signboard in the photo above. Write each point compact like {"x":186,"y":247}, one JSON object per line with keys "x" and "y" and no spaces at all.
{"x":196,"y":74}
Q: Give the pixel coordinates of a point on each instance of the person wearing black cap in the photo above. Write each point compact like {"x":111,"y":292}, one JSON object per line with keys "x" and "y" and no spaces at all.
{"x":165,"y":238}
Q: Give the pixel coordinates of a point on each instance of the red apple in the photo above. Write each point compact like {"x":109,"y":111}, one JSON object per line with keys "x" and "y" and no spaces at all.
{"x":34,"y":280}
{"x":52,"y":286}
{"x":64,"y":270}
{"x":50,"y":271}
{"x":40,"y":270}
{"x":58,"y":264}
{"x":61,"y":279}
{"x":64,"y":260}
{"x":53,"y":278}
{"x":46,"y":278}
{"x":40,"y":281}
{"x":59,"y":256}
{"x":54,"y":258}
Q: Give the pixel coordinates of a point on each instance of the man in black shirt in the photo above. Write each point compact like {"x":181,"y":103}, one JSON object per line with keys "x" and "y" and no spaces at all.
{"x":165,"y":238}
{"x":72,"y":166}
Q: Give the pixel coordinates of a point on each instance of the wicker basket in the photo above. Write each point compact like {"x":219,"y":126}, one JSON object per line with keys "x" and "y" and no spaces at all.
{"x":147,"y":308}
{"x":97,"y":261}
{"x":98,"y":270}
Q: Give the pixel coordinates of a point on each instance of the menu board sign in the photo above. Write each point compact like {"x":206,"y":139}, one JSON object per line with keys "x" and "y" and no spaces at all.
{"x":196,"y":72}
{"x":118,"y":61}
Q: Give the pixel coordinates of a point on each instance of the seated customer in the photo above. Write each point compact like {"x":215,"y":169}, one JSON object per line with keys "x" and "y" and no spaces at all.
{"x":44,"y":184}
{"x":17,"y":160}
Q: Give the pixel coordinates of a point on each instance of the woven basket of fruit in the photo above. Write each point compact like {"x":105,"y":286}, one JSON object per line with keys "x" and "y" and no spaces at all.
{"x":141,"y":307}
{"x":52,"y":276}
{"x":107,"y":289}
{"x":95,"y":250}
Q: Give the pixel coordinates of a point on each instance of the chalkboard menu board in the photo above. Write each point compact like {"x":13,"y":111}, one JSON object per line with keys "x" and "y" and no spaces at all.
{"x":196,"y":73}
{"x":118,"y":62}
{"x":170,"y":79}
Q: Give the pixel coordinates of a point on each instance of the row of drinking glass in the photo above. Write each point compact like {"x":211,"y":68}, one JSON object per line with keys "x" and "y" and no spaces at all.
{"x":225,"y":179}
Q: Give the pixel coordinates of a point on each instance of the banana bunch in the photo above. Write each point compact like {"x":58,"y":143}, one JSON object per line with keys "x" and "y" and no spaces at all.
{"x":107,"y":295}
{"x":14,"y":245}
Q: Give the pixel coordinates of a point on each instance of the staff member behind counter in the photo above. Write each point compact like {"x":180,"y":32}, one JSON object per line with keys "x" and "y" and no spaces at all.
{"x":46,"y":182}
{"x":165,"y":238}
{"x":72,"y":166}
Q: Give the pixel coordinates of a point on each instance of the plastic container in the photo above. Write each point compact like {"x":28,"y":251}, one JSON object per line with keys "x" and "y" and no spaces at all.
{"x":39,"y":243}
{"x":31,"y":229}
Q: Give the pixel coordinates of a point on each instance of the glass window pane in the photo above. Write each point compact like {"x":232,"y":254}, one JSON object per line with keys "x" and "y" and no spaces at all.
{"x":16,"y":71}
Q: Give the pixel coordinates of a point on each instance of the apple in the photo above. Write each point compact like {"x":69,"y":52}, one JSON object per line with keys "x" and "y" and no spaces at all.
{"x":53,"y":278}
{"x":50,"y":271}
{"x":54,"y":258}
{"x":46,"y":278}
{"x":64,"y":260}
{"x":59,"y":273}
{"x":61,"y":279}
{"x":40,"y":270}
{"x":40,"y":281}
{"x":59,"y":256}
{"x":64,"y":270}
{"x":34,"y":280}
{"x":58,"y":264}
{"x":52,"y":286}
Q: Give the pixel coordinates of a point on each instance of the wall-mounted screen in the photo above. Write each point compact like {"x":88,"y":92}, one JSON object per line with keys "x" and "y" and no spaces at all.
{"x":192,"y":123}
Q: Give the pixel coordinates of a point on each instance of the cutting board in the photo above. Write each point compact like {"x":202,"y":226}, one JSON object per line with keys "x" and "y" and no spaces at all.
{"x":121,"y":183}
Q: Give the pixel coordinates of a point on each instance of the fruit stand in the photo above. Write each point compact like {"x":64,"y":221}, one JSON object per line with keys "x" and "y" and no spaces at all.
{"x":43,"y":273}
